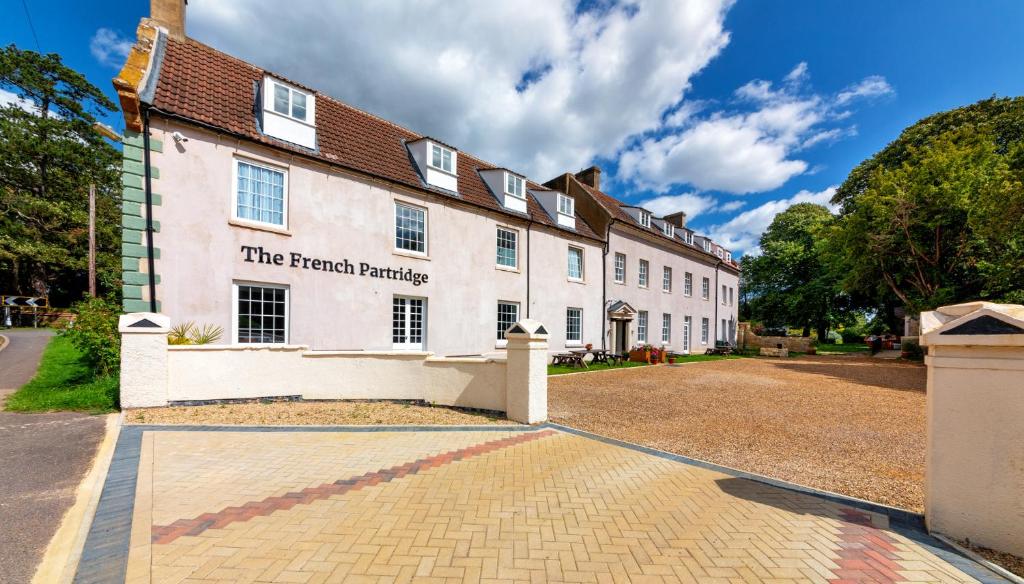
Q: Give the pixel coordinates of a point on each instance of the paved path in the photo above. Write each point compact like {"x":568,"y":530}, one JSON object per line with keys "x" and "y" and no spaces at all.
{"x":43,"y":457}
{"x":471,"y":504}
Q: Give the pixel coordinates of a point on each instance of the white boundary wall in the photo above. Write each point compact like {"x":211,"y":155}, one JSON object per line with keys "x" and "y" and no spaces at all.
{"x":155,"y":374}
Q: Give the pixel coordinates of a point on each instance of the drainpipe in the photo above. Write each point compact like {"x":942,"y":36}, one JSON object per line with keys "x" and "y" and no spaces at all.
{"x":718,"y":263}
{"x":151,"y":263}
{"x":528,"y":258}
{"x":604,"y":286}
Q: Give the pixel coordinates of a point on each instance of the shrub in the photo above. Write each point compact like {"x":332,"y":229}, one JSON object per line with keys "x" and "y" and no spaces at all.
{"x":94,"y":332}
{"x":852,"y":336}
{"x":188,"y":333}
{"x":913,"y":350}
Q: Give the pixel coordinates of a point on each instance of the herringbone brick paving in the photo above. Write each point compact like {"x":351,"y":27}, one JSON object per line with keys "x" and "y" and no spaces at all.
{"x":542,"y":506}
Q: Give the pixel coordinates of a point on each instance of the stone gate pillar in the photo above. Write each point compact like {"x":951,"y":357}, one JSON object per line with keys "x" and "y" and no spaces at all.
{"x":526,"y":397}
{"x":974,"y":476}
{"x":143,"y":359}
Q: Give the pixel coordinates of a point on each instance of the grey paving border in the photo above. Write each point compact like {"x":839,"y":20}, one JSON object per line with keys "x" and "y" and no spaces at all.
{"x":105,"y":556}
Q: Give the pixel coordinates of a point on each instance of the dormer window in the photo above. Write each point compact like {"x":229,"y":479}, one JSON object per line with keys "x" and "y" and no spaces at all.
{"x":689,"y":237}
{"x":728,"y":256}
{"x":566,"y":205}
{"x":289,"y":102}
{"x":668,"y":229}
{"x":515,"y":186}
{"x":288,"y":113}
{"x":707,"y":246}
{"x":718,"y":252}
{"x":645,"y":219}
{"x":441,"y":158}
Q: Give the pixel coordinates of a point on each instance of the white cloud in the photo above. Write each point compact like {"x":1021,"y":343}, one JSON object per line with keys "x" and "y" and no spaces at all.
{"x":730,"y":206}
{"x":869,"y":87}
{"x":742,"y":233}
{"x":746,"y":151}
{"x":586,"y":82}
{"x":690,"y":203}
{"x":110,"y":48}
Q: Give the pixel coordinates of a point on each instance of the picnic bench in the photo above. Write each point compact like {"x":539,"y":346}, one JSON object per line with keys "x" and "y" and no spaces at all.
{"x":574,"y":359}
{"x":720,"y":348}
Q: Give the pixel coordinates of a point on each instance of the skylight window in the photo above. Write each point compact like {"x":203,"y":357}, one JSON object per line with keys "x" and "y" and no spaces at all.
{"x":515,"y":186}
{"x":566,"y":205}
{"x":441,"y":158}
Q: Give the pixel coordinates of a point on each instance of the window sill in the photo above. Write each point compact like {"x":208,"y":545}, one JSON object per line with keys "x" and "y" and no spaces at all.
{"x":620,"y":283}
{"x":411,"y":254}
{"x":514,"y":270}
{"x":642,"y":287}
{"x":442,"y":171}
{"x":576,"y":280}
{"x":666,"y":291}
{"x":259,"y":226}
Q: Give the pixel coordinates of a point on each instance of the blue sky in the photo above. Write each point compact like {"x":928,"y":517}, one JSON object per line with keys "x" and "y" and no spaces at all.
{"x":730,"y":111}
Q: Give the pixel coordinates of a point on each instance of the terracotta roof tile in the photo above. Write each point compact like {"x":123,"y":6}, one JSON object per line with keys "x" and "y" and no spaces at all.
{"x":204,"y":85}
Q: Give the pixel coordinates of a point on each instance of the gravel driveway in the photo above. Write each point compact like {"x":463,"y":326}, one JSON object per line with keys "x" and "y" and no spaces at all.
{"x":847,"y":424}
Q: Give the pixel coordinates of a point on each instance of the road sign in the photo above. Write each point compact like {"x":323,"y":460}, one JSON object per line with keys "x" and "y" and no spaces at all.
{"x":28,"y":301}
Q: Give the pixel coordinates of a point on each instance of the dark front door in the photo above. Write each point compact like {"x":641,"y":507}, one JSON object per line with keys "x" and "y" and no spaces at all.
{"x":621,"y":337}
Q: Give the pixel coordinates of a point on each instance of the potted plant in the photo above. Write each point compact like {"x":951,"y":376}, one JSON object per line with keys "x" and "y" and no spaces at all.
{"x":655,"y":356}
{"x":641,"y":353}
{"x":589,"y":346}
{"x":671,"y":358}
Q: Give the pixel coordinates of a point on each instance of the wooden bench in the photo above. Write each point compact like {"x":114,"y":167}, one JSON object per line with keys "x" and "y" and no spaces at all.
{"x":574,"y":359}
{"x":720,"y":349}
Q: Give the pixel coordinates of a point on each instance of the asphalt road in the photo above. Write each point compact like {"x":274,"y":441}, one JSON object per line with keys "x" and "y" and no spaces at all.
{"x":43,"y":457}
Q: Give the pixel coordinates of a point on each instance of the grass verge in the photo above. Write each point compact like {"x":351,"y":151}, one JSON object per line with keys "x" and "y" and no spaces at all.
{"x":65,"y":382}
{"x":559,"y":369}
{"x":826,"y":349}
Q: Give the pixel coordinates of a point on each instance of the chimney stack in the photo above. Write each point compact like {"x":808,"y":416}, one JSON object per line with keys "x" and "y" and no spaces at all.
{"x":169,"y":14}
{"x":591,"y":177}
{"x":677,"y":219}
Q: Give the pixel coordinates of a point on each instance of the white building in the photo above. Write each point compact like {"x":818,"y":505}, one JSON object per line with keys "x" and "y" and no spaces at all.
{"x":285,"y":216}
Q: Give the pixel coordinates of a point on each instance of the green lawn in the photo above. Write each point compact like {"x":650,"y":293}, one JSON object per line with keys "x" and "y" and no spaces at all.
{"x":825,"y":349}
{"x":64,"y":382}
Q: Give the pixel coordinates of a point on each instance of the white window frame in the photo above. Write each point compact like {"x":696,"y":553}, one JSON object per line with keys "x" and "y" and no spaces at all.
{"x":687,"y":284}
{"x":644,"y":274}
{"x":518,"y":183}
{"x":499,"y":342}
{"x":731,"y":297}
{"x":705,"y":330}
{"x":443,"y":150}
{"x":234,"y":193}
{"x":666,"y":328}
{"x":271,"y":101}
{"x":515,"y":248}
{"x":566,"y":205}
{"x":707,"y":246}
{"x":687,"y":325}
{"x":728,"y":256}
{"x":619,"y":266}
{"x":705,"y":288}
{"x":725,"y":294}
{"x":666,"y":279}
{"x":642,"y":321}
{"x":645,"y":219}
{"x":408,"y":346}
{"x":668,"y":229}
{"x":577,"y":341}
{"x":234,"y":310}
{"x":426,"y":230}
{"x":568,"y":264}
{"x":718,"y":252}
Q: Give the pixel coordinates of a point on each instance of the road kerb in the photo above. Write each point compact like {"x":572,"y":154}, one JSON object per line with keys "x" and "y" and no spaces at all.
{"x":65,"y":548}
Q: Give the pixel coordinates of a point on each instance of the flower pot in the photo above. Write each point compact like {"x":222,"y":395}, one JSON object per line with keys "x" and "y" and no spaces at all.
{"x":640,"y":356}
{"x":671,"y":360}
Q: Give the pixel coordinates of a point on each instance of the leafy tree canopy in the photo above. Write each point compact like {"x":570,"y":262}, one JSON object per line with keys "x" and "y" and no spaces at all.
{"x":937,"y":217}
{"x":789,"y":284}
{"x":49,"y":155}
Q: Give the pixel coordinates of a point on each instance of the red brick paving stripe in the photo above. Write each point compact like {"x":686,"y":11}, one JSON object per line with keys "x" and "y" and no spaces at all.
{"x":162,"y":534}
{"x":866,"y":553}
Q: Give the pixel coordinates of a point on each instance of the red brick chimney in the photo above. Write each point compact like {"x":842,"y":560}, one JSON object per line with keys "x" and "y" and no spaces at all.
{"x":169,"y":14}
{"x":677,"y":219}
{"x":590,"y":177}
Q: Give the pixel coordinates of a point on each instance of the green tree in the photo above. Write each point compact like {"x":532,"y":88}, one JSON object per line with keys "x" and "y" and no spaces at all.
{"x":49,"y":155}
{"x":790,"y":284}
{"x":936,"y":217}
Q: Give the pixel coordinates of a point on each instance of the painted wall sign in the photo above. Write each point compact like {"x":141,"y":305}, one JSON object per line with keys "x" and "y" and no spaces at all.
{"x":257,"y":255}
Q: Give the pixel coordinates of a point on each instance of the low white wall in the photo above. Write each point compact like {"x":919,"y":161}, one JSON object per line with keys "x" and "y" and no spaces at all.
{"x":155,"y":374}
{"x":197,"y":373}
